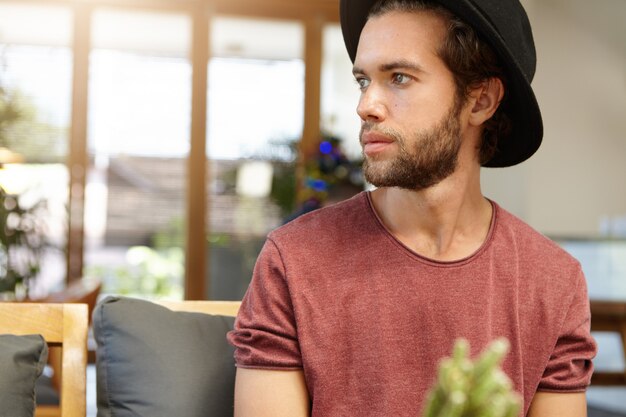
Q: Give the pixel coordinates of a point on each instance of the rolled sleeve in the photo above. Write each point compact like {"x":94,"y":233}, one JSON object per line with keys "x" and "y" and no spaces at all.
{"x":265,"y":333}
{"x":570,"y":366}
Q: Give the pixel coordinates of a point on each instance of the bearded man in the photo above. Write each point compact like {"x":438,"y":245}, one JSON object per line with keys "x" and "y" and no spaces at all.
{"x":351,"y":307}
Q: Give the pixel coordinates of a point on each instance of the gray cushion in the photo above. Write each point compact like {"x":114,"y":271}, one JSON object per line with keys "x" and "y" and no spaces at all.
{"x":22,"y":359}
{"x":45,"y":392}
{"x":154,"y":362}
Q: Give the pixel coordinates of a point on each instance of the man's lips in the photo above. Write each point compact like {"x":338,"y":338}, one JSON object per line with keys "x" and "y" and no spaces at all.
{"x":374,"y":143}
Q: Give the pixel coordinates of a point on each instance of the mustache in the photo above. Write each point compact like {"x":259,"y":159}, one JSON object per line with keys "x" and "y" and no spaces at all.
{"x":371,"y":127}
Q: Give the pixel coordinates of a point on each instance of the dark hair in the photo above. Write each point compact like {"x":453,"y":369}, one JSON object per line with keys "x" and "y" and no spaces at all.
{"x":471,"y":61}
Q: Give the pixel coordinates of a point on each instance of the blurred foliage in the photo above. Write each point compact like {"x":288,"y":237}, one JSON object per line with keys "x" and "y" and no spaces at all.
{"x":22,"y":242}
{"x":22,"y":130}
{"x":9,"y":114}
{"x":173,"y":235}
{"x":156,"y":271}
{"x":23,"y":227}
{"x":283,"y":192}
{"x":147,"y":272}
{"x":327,"y":176}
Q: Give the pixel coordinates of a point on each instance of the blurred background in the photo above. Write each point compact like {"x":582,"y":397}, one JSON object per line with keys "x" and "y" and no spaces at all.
{"x":151,"y":145}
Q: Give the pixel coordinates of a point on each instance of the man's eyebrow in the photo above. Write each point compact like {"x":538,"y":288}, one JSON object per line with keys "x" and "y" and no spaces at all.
{"x":401,"y":64}
{"x":357,"y":70}
{"x":392,"y":66}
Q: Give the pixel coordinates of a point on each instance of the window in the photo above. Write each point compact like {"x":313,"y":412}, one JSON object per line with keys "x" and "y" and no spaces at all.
{"x":255,"y":116}
{"x":138,"y":140}
{"x":35,"y":81}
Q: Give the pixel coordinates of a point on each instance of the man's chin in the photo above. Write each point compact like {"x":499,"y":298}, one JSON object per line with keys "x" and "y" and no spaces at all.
{"x":386,"y":175}
{"x":378,"y":176}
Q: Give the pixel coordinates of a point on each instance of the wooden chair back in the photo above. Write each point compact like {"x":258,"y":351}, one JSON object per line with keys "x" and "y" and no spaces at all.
{"x":224,"y":308}
{"x":609,"y":316}
{"x":63,"y":325}
{"x":82,"y":291}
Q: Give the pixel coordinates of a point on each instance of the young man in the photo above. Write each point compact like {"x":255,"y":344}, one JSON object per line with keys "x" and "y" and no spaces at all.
{"x":352,"y":306}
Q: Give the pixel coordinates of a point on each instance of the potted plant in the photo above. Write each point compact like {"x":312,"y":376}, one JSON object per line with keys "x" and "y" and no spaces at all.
{"x":22,"y":243}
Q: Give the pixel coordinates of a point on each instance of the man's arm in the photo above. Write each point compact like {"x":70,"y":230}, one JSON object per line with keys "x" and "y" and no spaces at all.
{"x":263,"y":393}
{"x":549,"y":404}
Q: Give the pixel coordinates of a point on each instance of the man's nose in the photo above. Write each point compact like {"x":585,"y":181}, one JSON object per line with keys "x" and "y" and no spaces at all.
{"x":371,"y":105}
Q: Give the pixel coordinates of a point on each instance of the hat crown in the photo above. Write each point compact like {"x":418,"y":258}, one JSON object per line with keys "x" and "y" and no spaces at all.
{"x":509,"y":19}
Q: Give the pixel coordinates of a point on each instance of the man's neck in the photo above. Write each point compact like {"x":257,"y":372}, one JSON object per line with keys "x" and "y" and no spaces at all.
{"x":446,"y":222}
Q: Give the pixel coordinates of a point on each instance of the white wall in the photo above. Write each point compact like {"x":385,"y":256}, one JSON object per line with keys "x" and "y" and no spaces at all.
{"x":578,"y":176}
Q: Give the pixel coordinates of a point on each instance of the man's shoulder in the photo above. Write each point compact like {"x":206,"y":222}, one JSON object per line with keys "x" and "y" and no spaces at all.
{"x":527,"y":241}
{"x":340,"y":218}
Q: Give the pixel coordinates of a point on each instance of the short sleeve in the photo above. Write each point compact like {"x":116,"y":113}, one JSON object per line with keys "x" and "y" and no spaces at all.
{"x":265,"y":333}
{"x":570,"y":367}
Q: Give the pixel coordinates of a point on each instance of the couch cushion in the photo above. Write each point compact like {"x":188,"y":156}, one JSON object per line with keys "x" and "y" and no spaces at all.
{"x":22,"y":359}
{"x":45,"y":392}
{"x":154,"y":362}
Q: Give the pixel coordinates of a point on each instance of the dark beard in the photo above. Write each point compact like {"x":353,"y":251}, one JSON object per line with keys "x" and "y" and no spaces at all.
{"x":432,"y":158}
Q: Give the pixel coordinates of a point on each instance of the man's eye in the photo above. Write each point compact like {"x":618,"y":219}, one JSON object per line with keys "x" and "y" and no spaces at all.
{"x":362,"y":83}
{"x":401,"y":78}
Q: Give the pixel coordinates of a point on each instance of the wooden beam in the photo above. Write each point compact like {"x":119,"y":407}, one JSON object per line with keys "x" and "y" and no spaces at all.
{"x":608,"y":310}
{"x":78,"y":162}
{"x":328,"y":10}
{"x":312,"y":87}
{"x":196,"y":258}
{"x":609,"y":316}
{"x":608,"y":378}
{"x":278,"y":9}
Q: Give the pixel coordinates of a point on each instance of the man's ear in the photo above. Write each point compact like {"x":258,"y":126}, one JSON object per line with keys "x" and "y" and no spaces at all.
{"x":487,"y":97}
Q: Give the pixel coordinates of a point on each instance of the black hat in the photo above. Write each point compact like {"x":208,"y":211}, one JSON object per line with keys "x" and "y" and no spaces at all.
{"x":503,"y":24}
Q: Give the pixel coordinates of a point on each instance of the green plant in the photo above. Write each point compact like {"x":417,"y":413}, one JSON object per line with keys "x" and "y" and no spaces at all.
{"x":147,"y":272}
{"x":155,"y":271}
{"x":9,"y":113}
{"x":23,"y":131}
{"x":465,"y":388}
{"x":23,"y":237}
{"x":283,"y":192}
{"x":22,"y":242}
{"x":325,"y":176}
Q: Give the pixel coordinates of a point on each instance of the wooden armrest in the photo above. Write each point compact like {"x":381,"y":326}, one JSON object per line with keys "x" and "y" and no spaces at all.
{"x":608,"y":316}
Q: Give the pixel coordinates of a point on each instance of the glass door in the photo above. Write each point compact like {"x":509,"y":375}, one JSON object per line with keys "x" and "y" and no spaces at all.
{"x":255,"y":117}
{"x":138,"y":140}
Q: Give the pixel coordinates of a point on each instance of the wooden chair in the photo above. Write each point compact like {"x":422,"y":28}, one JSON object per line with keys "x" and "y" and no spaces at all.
{"x":224,"y":308}
{"x":82,"y":291}
{"x":63,"y":325}
{"x":609,"y":316}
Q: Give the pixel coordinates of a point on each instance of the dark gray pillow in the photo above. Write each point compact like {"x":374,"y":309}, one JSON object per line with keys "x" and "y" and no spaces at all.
{"x":154,"y":362}
{"x":22,"y":359}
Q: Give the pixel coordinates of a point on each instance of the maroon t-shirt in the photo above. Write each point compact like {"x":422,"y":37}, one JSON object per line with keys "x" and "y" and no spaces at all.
{"x":335,"y":294}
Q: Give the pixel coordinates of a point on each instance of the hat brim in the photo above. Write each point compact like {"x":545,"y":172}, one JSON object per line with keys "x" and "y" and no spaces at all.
{"x":521,"y":104}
